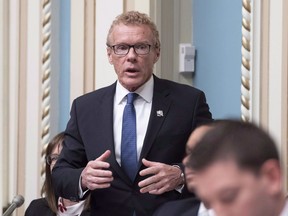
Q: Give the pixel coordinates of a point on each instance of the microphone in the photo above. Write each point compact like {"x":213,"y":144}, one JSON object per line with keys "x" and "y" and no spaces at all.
{"x":17,"y":201}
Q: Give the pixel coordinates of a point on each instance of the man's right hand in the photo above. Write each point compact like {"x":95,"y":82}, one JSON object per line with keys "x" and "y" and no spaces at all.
{"x":95,"y":175}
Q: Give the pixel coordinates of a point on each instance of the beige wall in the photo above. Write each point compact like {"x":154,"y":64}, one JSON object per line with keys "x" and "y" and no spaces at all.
{"x":269,"y":71}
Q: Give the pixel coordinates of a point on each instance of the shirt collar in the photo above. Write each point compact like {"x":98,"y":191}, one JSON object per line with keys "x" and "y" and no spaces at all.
{"x":202,"y":208}
{"x":285,"y":209}
{"x":145,"y":91}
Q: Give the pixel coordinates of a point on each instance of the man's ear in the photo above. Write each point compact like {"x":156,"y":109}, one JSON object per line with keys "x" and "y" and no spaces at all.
{"x":157,"y":55}
{"x":272,"y":175}
{"x":109,"y":55}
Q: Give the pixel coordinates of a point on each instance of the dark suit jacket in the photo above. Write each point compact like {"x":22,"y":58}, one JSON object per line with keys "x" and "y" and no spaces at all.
{"x":183,"y":207}
{"x":39,"y":207}
{"x":89,"y":133}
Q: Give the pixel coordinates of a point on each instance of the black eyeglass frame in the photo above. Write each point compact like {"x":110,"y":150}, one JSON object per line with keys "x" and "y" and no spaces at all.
{"x":50,"y":158}
{"x":129,"y":47}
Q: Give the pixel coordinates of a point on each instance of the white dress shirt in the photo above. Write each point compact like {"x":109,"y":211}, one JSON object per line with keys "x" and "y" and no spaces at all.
{"x":142,"y":104}
{"x":285,"y":209}
{"x":203,"y":211}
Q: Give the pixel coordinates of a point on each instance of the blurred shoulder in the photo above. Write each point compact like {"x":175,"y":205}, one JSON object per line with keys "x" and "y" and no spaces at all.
{"x":187,"y":206}
{"x":38,"y":207}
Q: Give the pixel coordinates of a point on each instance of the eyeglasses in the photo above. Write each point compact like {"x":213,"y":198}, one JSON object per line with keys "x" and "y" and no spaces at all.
{"x":52,"y":158}
{"x":123,"y":49}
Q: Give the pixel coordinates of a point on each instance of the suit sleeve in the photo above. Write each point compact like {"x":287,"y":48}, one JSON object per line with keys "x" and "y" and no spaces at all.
{"x":202,"y":114}
{"x":67,"y":170}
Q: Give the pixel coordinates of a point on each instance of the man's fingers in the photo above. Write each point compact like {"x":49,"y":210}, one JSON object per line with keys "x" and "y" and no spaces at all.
{"x":98,"y":173}
{"x":149,"y":171}
{"x":104,"y":156}
{"x":158,"y":191}
{"x":99,"y":186}
{"x":162,"y":177}
{"x":100,"y":180}
{"x":148,"y":181}
{"x":100,"y":162}
{"x":95,"y":175}
{"x":98,"y":183}
{"x":148,"y":163}
{"x":96,"y":178}
{"x":152,"y":168}
{"x":98,"y":165}
{"x":151,"y":187}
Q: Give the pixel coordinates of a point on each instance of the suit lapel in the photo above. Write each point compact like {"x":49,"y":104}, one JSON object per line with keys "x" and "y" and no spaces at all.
{"x":105,"y":124}
{"x":160,"y":108}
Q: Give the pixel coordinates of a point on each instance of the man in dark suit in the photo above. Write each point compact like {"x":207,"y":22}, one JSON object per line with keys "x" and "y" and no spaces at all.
{"x":92,"y":160}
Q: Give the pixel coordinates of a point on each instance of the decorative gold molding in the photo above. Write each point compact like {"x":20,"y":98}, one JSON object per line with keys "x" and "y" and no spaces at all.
{"x":46,"y":76}
{"x":246,"y":64}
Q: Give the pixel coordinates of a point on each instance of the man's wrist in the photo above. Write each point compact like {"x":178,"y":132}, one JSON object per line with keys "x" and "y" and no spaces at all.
{"x":182,"y":178}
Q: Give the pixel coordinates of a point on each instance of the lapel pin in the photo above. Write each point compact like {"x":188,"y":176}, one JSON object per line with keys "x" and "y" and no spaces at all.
{"x":159,"y":113}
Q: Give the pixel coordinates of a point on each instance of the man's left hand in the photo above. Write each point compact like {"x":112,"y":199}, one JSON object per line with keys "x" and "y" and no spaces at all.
{"x":162,"y":178}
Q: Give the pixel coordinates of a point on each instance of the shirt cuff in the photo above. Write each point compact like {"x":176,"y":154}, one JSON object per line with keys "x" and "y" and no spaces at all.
{"x":81,"y":193}
{"x":180,"y":187}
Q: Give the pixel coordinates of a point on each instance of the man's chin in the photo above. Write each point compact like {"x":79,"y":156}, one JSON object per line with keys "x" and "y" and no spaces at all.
{"x":132,"y":84}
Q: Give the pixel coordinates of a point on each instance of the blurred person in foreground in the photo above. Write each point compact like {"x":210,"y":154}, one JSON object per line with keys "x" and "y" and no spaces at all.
{"x":237,"y":171}
{"x":125,"y":142}
{"x":189,"y":206}
{"x":50,"y":204}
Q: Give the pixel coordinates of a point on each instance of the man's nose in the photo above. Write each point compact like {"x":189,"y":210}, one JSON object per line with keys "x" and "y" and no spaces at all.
{"x":131,"y":51}
{"x":131,"y":55}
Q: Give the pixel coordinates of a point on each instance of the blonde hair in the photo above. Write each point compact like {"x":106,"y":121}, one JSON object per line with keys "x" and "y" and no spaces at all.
{"x":135,"y":18}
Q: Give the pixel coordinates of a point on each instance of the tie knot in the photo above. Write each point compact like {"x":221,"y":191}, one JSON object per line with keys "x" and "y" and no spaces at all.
{"x":131,"y":97}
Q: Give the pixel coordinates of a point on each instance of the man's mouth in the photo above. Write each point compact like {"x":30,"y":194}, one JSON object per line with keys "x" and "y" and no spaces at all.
{"x":131,"y":70}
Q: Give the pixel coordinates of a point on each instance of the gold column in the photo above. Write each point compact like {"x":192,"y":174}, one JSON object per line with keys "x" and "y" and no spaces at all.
{"x":246,"y":61}
{"x":46,"y":73}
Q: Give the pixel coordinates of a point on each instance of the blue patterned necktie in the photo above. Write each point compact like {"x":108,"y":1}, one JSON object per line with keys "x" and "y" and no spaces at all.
{"x":128,"y":139}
